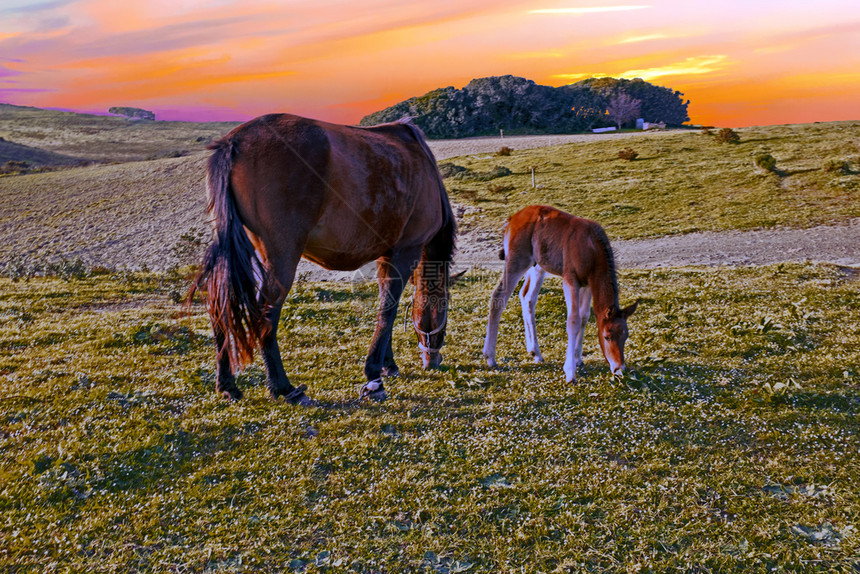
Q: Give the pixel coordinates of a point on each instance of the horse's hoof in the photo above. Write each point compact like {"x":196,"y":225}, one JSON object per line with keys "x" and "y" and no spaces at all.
{"x":390,"y":372}
{"x":304,"y":401}
{"x":536,"y":357}
{"x":372,"y":391}
{"x":296,"y":396}
{"x":231,"y":393}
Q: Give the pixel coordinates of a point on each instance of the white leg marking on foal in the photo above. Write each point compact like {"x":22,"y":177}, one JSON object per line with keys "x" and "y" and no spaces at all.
{"x":528,"y":301}
{"x":584,"y":314}
{"x":571,"y":297}
{"x":498,"y":301}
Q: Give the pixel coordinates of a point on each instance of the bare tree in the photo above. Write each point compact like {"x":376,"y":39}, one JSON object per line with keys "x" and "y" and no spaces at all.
{"x":623,"y":108}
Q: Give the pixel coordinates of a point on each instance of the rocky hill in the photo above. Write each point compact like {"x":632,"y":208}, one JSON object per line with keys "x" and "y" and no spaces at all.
{"x":520,"y":106}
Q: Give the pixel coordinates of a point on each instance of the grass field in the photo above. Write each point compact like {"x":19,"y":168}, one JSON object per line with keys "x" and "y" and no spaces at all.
{"x":101,"y":138}
{"x":731,"y":445}
{"x":679,"y":183}
{"x":132,"y":214}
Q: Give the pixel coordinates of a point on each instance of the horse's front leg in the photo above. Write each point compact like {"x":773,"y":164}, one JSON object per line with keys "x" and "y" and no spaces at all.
{"x":574,"y":326}
{"x":393,"y":272}
{"x":584,"y":314}
{"x":514,"y":270}
{"x":389,"y":365}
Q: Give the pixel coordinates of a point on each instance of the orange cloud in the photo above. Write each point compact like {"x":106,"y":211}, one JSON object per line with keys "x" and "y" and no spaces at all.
{"x":339,"y":60}
{"x":587,"y":10}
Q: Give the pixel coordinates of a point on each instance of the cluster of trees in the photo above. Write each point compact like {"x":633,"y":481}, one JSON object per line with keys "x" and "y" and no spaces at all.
{"x":519,"y":106}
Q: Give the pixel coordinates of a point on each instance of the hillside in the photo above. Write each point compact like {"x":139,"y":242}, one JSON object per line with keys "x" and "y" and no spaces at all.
{"x":104,"y":138}
{"x":136,"y":214}
{"x":520,"y":106}
{"x":11,"y":151}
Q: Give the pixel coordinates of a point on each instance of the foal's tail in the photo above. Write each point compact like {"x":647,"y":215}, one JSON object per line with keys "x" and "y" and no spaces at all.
{"x":232,"y":274}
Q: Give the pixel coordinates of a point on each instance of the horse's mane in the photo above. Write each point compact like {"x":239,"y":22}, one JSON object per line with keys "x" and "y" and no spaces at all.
{"x":603,"y":239}
{"x":444,"y":243}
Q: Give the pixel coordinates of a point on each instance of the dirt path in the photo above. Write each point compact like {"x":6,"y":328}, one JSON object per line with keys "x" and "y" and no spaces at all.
{"x":838,"y":244}
{"x":444,"y":149}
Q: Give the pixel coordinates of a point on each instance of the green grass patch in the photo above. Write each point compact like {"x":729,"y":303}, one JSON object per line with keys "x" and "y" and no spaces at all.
{"x":680,"y":183}
{"x":730,"y":446}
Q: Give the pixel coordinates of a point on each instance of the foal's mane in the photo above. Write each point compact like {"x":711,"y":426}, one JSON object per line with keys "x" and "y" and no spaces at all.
{"x":603,"y":239}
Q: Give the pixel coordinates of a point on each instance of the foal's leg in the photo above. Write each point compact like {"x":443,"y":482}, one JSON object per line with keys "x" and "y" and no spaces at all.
{"x":515,"y":268}
{"x":528,"y":301}
{"x":584,"y":314}
{"x":393,"y":273}
{"x":574,"y":326}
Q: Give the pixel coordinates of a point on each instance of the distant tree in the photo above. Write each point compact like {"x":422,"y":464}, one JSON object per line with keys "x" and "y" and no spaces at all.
{"x":623,"y":108}
{"x":520,"y":106}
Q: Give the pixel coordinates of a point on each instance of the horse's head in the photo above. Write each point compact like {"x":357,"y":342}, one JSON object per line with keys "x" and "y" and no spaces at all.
{"x":612,"y":334}
{"x":430,"y":310}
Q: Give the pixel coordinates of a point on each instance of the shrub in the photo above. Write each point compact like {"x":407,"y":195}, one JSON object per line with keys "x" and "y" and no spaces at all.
{"x":504,"y":150}
{"x":188,"y":249}
{"x":448,"y":169}
{"x":499,"y":188}
{"x":837,"y":166}
{"x":765,"y":161}
{"x":728,"y":135}
{"x":67,"y":269}
{"x":13,"y":166}
{"x":20,"y":267}
{"x":628,"y":153}
{"x":498,"y":171}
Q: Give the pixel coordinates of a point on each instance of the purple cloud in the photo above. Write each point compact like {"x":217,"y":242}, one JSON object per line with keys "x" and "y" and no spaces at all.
{"x":38,"y":7}
{"x":8,"y":73}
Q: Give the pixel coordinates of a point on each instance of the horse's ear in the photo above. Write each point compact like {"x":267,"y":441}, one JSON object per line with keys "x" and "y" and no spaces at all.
{"x":629,"y":310}
{"x":607,"y":314}
{"x":452,"y":280}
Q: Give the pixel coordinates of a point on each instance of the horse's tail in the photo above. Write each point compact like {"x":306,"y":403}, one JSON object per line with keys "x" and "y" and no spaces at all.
{"x":232,"y":274}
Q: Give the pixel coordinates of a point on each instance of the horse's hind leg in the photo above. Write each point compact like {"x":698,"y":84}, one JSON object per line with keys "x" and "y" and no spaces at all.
{"x":284,"y":272}
{"x":528,"y":300}
{"x":225,"y":382}
{"x":515,"y":268}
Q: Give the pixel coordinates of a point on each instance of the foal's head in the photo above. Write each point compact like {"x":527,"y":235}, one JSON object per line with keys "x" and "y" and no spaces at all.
{"x":430,"y":310}
{"x":612,"y":333}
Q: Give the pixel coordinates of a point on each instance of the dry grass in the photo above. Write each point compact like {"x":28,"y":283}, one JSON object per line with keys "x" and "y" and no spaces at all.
{"x":104,"y":138}
{"x":730,"y":446}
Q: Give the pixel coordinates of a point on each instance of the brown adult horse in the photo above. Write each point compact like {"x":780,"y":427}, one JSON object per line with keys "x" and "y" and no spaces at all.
{"x":541,"y":240}
{"x":283,"y":187}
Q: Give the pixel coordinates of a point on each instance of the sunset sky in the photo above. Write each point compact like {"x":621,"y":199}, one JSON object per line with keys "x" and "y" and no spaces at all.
{"x":741,"y":63}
